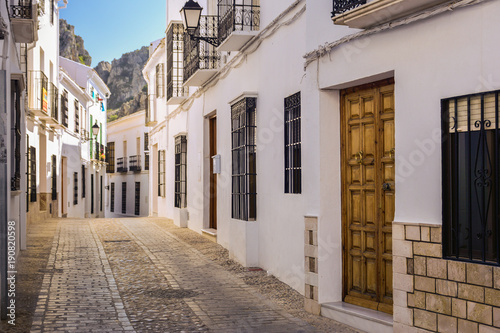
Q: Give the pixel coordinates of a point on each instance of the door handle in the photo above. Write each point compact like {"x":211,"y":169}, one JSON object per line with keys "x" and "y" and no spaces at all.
{"x":386,"y":187}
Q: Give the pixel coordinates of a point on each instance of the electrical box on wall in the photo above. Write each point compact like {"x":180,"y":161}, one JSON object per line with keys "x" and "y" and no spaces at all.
{"x":216,"y":163}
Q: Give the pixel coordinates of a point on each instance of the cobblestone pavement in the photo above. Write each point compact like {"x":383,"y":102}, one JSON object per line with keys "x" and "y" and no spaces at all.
{"x":146,"y":275}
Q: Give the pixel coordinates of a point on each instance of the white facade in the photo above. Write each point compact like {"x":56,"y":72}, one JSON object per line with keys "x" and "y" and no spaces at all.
{"x":84,"y":151}
{"x":43,"y":122}
{"x":128,"y":167}
{"x":429,"y":51}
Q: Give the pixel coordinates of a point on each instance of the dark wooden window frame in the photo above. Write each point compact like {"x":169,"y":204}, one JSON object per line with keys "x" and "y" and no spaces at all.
{"x":180,"y":181}
{"x":293,"y":146}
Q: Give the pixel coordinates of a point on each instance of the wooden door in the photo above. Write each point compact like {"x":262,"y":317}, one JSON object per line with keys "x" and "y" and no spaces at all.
{"x":213,"y":177}
{"x":368,"y":194}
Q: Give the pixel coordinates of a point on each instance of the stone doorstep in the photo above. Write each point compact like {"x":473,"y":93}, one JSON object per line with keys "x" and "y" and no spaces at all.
{"x":358,"y":317}
{"x":210,"y":234}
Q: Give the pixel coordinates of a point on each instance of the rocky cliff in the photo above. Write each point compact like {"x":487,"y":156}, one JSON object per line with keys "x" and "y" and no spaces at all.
{"x":71,"y":45}
{"x":124,"y":78}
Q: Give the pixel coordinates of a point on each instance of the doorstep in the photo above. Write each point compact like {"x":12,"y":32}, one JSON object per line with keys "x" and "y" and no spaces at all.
{"x":210,"y":234}
{"x":364,"y":319}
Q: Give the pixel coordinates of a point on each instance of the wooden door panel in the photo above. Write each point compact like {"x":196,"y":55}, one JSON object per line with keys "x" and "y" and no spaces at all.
{"x":368,"y":163}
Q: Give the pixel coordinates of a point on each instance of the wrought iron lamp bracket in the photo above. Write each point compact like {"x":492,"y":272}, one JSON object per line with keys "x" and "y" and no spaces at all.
{"x":211,"y":40}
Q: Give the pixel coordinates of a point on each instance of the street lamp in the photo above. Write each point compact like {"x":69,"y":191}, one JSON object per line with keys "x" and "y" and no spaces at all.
{"x":191,"y":14}
{"x":95,"y":129}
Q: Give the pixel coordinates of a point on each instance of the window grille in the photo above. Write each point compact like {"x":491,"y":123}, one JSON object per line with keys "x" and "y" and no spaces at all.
{"x":293,"y":169}
{"x":180,"y":171}
{"x":471,"y":175}
{"x":64,"y":108}
{"x":83,"y":181}
{"x":146,"y":161}
{"x":112,"y":199}
{"x":124,"y":197}
{"x":75,"y":188}
{"x":110,"y":158}
{"x":32,"y":174}
{"x":146,"y":141}
{"x":137,"y":198}
{"x":16,"y":138}
{"x":244,"y":173}
{"x":77,"y":116}
{"x":160,"y":80}
{"x":174,"y":48}
{"x":54,"y":177}
{"x":161,"y":173}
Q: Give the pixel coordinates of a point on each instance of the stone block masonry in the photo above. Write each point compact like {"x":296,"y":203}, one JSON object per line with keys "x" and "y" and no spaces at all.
{"x":439,"y":295}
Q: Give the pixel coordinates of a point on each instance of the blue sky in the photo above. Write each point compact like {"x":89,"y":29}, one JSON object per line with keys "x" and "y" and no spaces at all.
{"x":110,"y":28}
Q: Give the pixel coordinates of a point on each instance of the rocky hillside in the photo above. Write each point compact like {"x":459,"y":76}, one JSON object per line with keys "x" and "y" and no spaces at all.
{"x":71,"y":45}
{"x":124,"y":78}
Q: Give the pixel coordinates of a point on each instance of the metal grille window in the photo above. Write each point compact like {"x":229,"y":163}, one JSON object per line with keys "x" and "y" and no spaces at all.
{"x":110,"y":158}
{"x":75,"y":188}
{"x":244,"y":173}
{"x":161,"y":173}
{"x":146,"y":141}
{"x":137,"y":198}
{"x":175,"y":44}
{"x":52,"y":9}
{"x":16,"y":138}
{"x":160,"y":80}
{"x":124,"y":197}
{"x":293,"y":165}
{"x":54,"y":177}
{"x":112,"y":199}
{"x":146,"y":161}
{"x":180,"y":171}
{"x":77,"y":116}
{"x":83,"y":181}
{"x":64,"y":108}
{"x":32,"y":174}
{"x":471,"y":178}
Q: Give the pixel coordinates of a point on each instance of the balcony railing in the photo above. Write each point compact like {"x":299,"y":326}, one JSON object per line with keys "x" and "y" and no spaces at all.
{"x":342,"y":6}
{"x":23,"y":14}
{"x":135,"y":163}
{"x":200,"y":55}
{"x":151,"y":112}
{"x":121,"y":164}
{"x":235,"y":15}
{"x":38,"y":93}
{"x":176,"y":92}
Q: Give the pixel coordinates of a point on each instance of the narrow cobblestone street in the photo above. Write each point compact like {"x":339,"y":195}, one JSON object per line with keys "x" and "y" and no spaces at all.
{"x":146,"y":275}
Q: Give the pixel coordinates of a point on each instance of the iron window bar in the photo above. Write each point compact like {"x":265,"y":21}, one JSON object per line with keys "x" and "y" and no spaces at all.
{"x":293,"y":151}
{"x":21,"y":10}
{"x":121,"y":164}
{"x":161,"y":173}
{"x":75,"y":188}
{"x":175,"y":47}
{"x":180,"y":172}
{"x":342,"y":6}
{"x":64,"y":108}
{"x":124,"y":197}
{"x":137,"y":210}
{"x":112,"y":199}
{"x":110,"y":158}
{"x":83,"y":181}
{"x":54,"y":177}
{"x":237,"y":15}
{"x":135,"y":163}
{"x":146,"y":161}
{"x":471,"y":178}
{"x":77,"y":116}
{"x":244,"y":172}
{"x":54,"y":105}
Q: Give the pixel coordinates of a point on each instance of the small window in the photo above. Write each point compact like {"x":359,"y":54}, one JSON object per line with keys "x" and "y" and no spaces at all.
{"x":161,"y":173}
{"x":244,"y":174}
{"x":110,"y":158}
{"x":124,"y":197}
{"x":180,"y":171}
{"x":77,"y":116}
{"x":112,"y":199}
{"x":75,"y":188}
{"x":146,"y":161}
{"x":83,"y":181}
{"x":137,"y":210}
{"x":31,"y":173}
{"x":160,"y":81}
{"x":64,"y":108}
{"x":146,"y":141}
{"x":471,"y":188}
{"x":54,"y":177}
{"x":293,"y":152}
